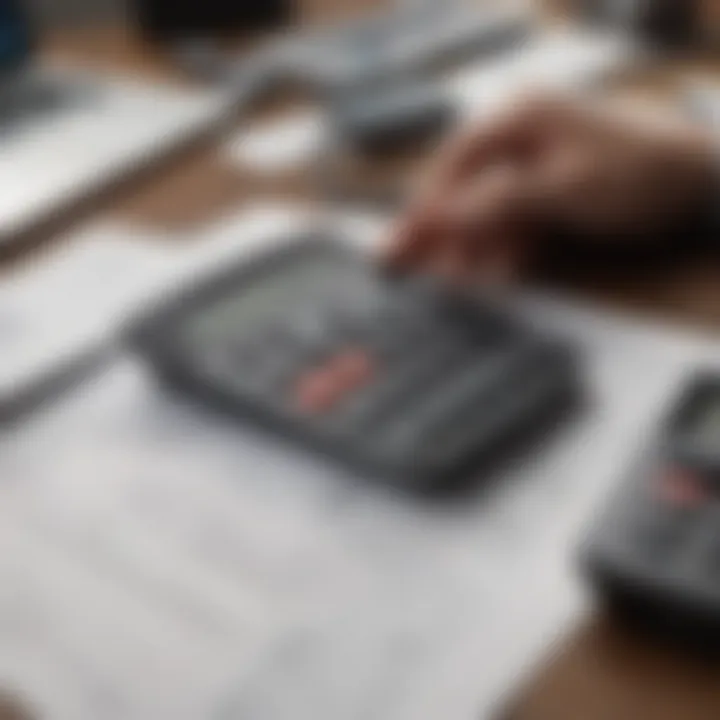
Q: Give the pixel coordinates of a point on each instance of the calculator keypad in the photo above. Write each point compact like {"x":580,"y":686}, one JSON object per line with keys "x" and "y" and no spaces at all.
{"x":665,"y":522}
{"x":388,"y":371}
{"x":321,"y":388}
{"x":397,"y":393}
{"x":397,"y":372}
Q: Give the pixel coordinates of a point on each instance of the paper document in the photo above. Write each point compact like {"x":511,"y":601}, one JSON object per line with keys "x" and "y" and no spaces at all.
{"x":160,"y":563}
{"x":65,"y":303}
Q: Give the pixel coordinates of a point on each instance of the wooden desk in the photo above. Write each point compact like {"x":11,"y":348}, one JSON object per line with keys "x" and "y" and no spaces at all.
{"x":598,"y":673}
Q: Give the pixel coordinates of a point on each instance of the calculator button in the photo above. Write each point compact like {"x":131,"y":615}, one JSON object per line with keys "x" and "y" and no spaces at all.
{"x":317,"y":391}
{"x":396,"y":342}
{"x":681,"y":489}
{"x":254,"y":349}
{"x":398,"y":387}
{"x":320,"y":389}
{"x":234,"y":368}
{"x":354,"y":368}
{"x":244,"y":355}
{"x":464,"y":390}
{"x":313,"y":329}
{"x":267,"y":371}
{"x":679,"y":495}
{"x":448,"y":415}
{"x":379,"y":333}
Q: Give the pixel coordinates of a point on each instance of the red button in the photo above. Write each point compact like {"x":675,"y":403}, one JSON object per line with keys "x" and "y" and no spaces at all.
{"x":354,"y":368}
{"x":682,"y":488}
{"x":317,"y":391}
{"x":320,"y":389}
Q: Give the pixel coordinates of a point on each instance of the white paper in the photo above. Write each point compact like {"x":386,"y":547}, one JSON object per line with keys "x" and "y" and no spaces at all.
{"x":281,"y":144}
{"x":160,"y":563}
{"x":65,"y":303}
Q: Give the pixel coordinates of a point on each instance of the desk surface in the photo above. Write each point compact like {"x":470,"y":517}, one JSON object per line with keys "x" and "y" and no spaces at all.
{"x":597,"y":673}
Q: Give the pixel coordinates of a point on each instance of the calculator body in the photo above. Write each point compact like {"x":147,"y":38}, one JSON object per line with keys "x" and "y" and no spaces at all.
{"x":392,"y":378}
{"x":654,"y":553}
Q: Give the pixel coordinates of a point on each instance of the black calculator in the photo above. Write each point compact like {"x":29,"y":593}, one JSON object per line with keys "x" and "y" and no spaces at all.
{"x":654,"y":554}
{"x":390,"y":375}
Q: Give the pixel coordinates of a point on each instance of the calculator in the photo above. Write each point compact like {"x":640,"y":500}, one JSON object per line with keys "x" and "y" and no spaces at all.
{"x":654,"y":553}
{"x":392,"y":376}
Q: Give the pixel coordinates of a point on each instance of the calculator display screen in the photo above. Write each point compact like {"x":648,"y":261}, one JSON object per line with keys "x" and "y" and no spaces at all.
{"x":273,"y":296}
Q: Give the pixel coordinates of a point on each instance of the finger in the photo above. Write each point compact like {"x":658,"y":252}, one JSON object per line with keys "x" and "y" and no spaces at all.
{"x":413,"y":238}
{"x":507,"y":263}
{"x":511,"y":134}
{"x":492,"y":216}
{"x":570,"y":190}
{"x":442,"y":250}
{"x":445,"y":265}
{"x":426,"y":224}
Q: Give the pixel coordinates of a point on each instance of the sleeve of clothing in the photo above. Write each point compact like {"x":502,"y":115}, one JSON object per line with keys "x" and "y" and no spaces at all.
{"x":702,"y":105}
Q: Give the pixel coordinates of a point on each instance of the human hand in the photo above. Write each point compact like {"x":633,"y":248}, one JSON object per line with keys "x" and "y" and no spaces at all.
{"x":498,"y":189}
